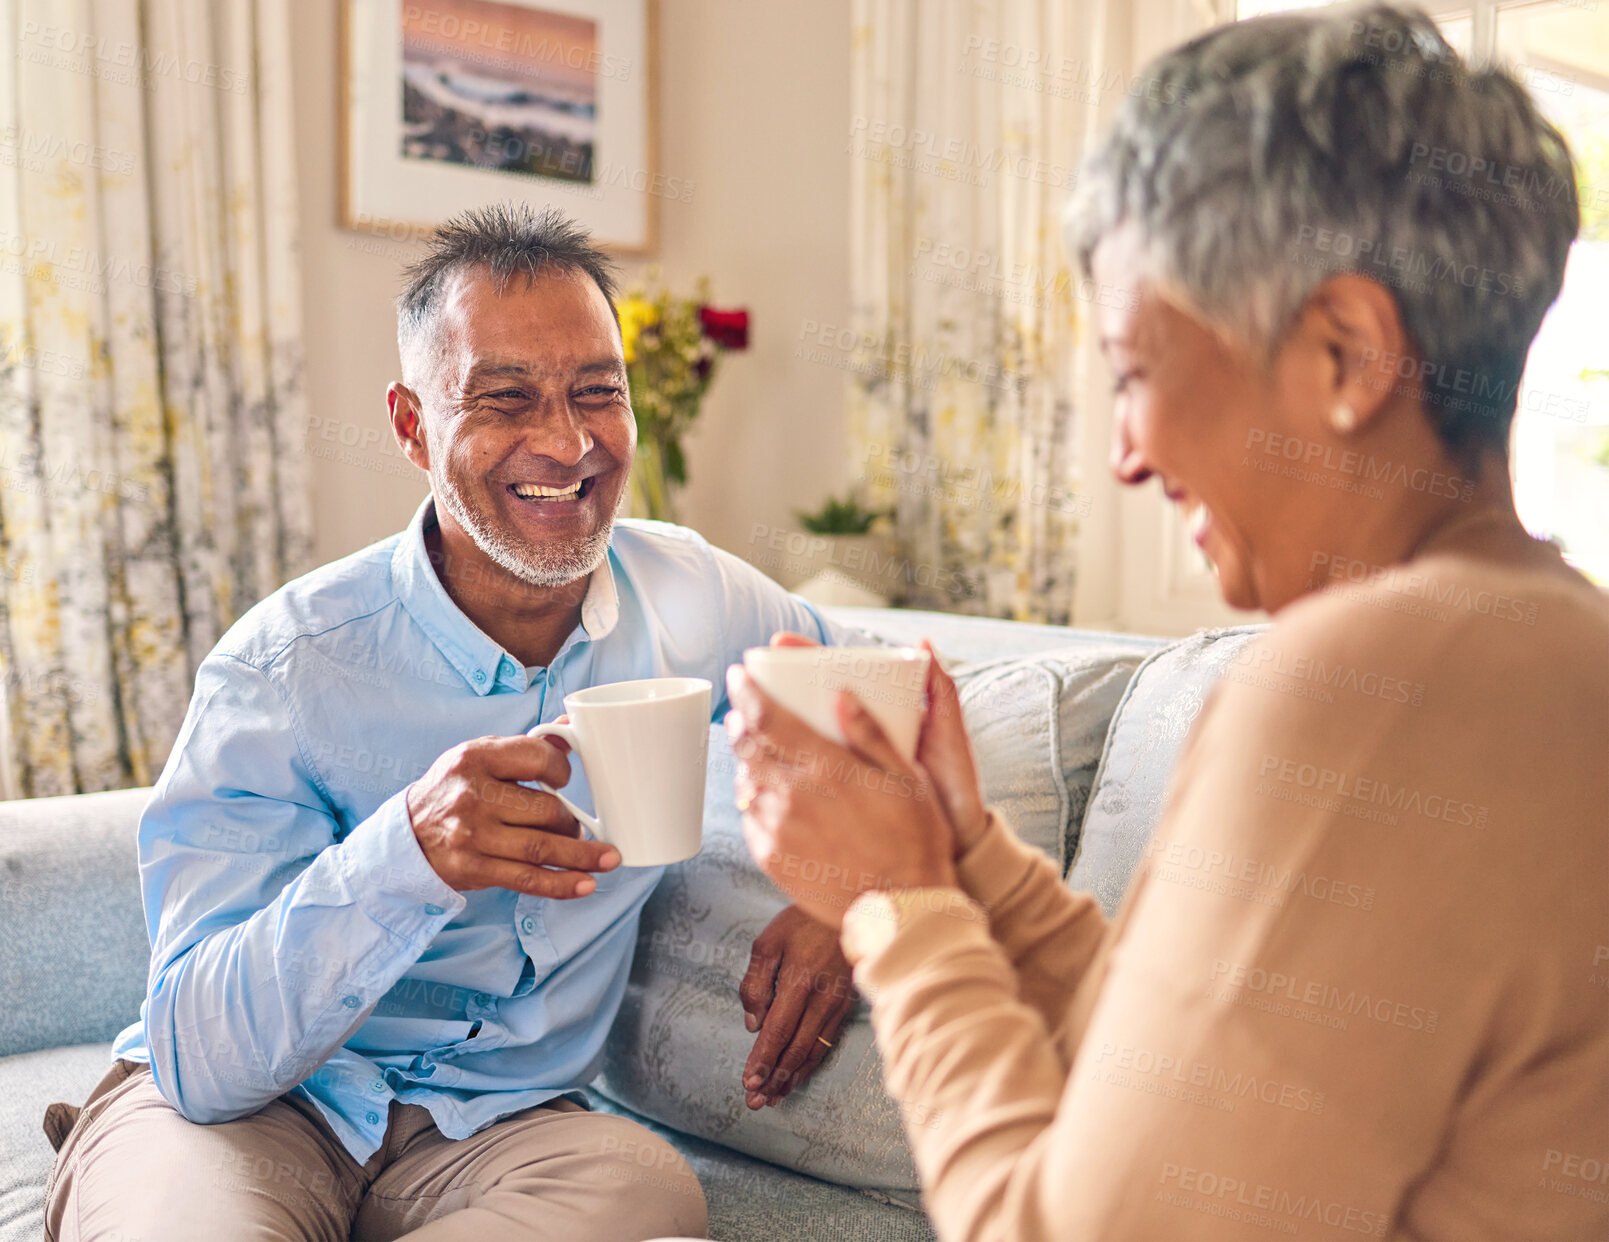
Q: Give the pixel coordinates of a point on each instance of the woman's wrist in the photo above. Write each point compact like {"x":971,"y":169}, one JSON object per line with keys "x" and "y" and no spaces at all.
{"x":876,"y":916}
{"x":971,"y":832}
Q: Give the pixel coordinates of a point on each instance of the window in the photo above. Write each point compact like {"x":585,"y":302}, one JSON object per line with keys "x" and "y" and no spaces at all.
{"x":1559,"y":457}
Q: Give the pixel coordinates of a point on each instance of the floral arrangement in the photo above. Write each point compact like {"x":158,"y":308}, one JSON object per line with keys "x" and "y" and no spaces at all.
{"x":671,"y":347}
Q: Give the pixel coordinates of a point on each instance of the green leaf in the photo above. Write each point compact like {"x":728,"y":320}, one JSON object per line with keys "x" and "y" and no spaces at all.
{"x":840,"y":517}
{"x":675,"y":462}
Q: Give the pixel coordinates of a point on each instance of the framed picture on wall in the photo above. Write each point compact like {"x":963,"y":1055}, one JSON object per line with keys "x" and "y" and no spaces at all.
{"x":451,"y":104}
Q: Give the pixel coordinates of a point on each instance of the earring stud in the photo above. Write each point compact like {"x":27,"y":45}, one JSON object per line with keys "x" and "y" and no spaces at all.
{"x":1343,"y":417}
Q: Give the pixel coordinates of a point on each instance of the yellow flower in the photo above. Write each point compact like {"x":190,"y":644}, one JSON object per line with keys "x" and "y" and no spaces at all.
{"x":636,"y":313}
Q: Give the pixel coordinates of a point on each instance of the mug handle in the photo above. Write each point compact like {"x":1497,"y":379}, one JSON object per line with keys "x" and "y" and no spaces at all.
{"x":568,"y":734}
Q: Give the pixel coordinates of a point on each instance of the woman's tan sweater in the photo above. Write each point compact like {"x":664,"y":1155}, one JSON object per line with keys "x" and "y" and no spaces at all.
{"x":1359,"y":985}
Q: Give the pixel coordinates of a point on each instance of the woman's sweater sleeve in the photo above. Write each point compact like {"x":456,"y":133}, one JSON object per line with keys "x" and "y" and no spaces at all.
{"x":1049,"y":935}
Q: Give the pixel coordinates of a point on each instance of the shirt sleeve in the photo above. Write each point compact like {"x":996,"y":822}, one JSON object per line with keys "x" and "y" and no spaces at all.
{"x":1049,"y":934}
{"x":273,"y":934}
{"x":1284,"y":1047}
{"x":750,"y":607}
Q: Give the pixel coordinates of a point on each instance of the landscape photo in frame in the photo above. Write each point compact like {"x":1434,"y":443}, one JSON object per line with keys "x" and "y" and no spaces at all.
{"x":448,"y":105}
{"x":527,"y":104}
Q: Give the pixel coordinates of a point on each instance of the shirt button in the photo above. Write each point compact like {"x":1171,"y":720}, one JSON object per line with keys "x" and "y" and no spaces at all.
{"x":351,"y":1002}
{"x":377,"y":1086}
{"x":481,"y":998}
{"x":528,"y":925}
{"x":434,"y":909}
{"x":479,"y":676}
{"x":372,"y":1118}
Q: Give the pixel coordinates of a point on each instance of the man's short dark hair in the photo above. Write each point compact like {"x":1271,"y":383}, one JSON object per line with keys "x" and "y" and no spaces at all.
{"x":503,"y":239}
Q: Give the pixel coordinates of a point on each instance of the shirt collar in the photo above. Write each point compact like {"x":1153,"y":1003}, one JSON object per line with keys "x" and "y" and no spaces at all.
{"x":481,"y":661}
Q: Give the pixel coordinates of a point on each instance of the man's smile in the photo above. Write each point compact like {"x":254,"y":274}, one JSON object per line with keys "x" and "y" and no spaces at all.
{"x":545,"y":495}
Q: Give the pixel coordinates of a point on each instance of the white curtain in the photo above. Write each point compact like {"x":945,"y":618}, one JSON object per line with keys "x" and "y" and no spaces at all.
{"x":150,"y":405}
{"x":968,"y":122}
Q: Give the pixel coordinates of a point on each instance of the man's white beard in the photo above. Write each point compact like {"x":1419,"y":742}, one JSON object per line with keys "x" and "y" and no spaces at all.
{"x":552,"y":566}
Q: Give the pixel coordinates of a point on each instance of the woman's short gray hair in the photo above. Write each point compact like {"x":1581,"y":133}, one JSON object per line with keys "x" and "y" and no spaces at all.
{"x":1267,"y":155}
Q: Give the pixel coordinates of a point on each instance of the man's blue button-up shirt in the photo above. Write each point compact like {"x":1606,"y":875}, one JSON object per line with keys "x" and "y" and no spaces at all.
{"x":300,"y":942}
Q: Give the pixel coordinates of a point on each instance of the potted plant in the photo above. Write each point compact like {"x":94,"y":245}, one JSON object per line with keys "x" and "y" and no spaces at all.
{"x":671,"y":347}
{"x":845,"y":559}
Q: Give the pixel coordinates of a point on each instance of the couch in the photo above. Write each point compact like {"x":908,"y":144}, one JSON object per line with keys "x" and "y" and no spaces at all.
{"x":1076,"y":733}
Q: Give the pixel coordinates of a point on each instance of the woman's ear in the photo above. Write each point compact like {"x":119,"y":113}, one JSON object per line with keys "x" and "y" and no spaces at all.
{"x":1356,"y":322}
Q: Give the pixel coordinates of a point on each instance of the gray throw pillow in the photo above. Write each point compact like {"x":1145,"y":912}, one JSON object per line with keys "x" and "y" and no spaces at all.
{"x":1142,"y":747}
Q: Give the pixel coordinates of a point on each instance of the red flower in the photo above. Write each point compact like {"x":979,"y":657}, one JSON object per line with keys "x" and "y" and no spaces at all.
{"x":728,"y":329}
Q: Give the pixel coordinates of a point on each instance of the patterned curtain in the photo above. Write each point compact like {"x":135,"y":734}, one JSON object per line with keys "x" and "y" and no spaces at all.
{"x":966,"y":131}
{"x":151,"y":488}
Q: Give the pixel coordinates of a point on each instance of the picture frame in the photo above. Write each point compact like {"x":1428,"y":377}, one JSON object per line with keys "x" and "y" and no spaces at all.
{"x":446,"y":105}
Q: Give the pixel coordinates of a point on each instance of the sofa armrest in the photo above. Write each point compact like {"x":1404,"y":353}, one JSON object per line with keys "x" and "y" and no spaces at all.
{"x":73,"y":944}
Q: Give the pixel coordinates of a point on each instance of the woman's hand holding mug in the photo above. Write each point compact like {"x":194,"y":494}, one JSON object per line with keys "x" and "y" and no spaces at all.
{"x":828,"y":822}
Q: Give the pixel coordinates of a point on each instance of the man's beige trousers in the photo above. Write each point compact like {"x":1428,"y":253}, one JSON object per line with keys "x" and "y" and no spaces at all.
{"x":131,"y":1169}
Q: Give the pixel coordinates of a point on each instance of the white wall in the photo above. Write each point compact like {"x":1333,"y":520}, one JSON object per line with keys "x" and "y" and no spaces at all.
{"x":754,"y":111}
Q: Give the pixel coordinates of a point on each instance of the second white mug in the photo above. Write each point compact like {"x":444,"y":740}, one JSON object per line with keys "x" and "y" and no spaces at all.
{"x":644,"y":745}
{"x":891,"y":682}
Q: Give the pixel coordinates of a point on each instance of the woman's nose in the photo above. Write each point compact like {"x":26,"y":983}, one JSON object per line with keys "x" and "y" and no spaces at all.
{"x":1128,"y":464}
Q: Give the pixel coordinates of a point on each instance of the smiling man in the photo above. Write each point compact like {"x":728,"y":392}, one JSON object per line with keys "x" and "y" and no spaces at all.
{"x":383,"y":962}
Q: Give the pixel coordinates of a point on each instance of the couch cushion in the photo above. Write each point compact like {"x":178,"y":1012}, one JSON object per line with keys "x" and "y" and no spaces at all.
{"x":27,"y":1084}
{"x":752,"y":1201}
{"x":1037,"y":726}
{"x":1160,"y":705}
{"x":75,"y":949}
{"x":677,"y":1051}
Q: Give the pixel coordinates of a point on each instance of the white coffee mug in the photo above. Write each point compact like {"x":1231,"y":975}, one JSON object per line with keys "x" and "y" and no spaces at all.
{"x":645,"y":746}
{"x":891,"y":682}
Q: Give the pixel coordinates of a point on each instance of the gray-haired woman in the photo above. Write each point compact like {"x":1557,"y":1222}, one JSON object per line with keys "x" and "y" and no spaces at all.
{"x":1357,"y":986}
